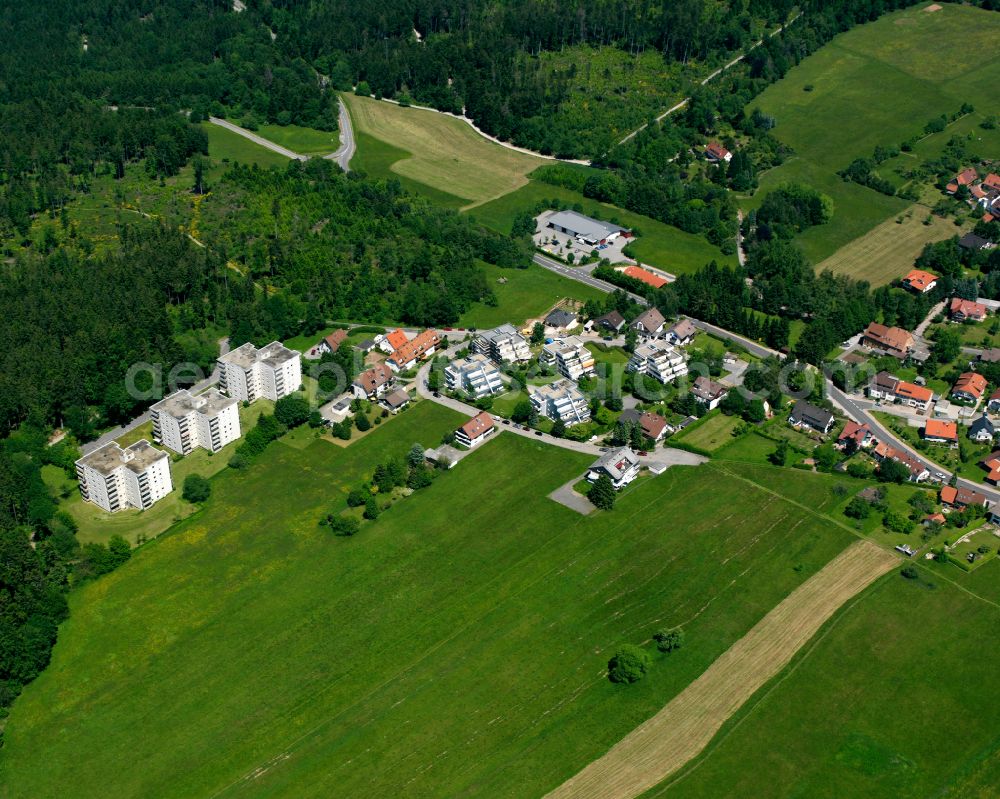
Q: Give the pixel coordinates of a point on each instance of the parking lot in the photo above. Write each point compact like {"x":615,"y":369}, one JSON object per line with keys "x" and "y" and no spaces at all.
{"x":561,"y":245}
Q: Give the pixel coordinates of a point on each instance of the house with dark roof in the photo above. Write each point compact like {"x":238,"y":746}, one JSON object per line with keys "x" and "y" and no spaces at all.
{"x":649,"y":323}
{"x":561,"y":319}
{"x":982,"y":429}
{"x":708,"y":392}
{"x":991,"y":355}
{"x":612,"y":322}
{"x":805,"y":414}
{"x":395,"y":400}
{"x":970,"y":241}
{"x":682,"y":333}
{"x":960,"y":498}
{"x":993,"y":404}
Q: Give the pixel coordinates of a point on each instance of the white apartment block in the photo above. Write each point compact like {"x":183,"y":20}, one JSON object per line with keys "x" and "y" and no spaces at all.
{"x":658,"y":360}
{"x":248,"y":373}
{"x":475,"y":374}
{"x":502,"y":344}
{"x":561,"y":400}
{"x":184,"y":421}
{"x":115,"y":479}
{"x":569,"y":356}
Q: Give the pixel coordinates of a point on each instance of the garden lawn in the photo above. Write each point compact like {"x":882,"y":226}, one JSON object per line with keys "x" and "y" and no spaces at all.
{"x":250,"y":653}
{"x":526,"y":294}
{"x":709,"y":433}
{"x":895,"y":698}
{"x":657,"y":244}
{"x":878,"y":83}
{"x":439,"y":151}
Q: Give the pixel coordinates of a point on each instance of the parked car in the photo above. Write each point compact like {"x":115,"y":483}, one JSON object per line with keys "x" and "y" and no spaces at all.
{"x":538,"y":432}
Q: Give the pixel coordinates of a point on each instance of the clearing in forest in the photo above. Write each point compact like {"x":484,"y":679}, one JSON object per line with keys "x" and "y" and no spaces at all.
{"x":684,"y":727}
{"x":440,"y":151}
{"x":888,"y":251}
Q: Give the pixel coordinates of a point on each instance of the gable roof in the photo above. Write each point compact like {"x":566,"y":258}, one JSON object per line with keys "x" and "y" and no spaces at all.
{"x":645,"y":276}
{"x":971,"y":383}
{"x":892,"y":338}
{"x":807,"y":412}
{"x":560,"y":318}
{"x":856,"y":432}
{"x":992,"y":181}
{"x":396,"y":398}
{"x":913,"y":391}
{"x":335,"y":339}
{"x":477,"y":425}
{"x":919,"y":280}
{"x":684,"y":329}
{"x":650,"y":319}
{"x":583,"y":226}
{"x":707,"y":389}
{"x":415,"y":348}
{"x":982,"y":423}
{"x":941,"y":428}
{"x":373,"y":378}
{"x":956,"y":495}
{"x":966,"y":307}
{"x":611,"y":319}
{"x":652,"y":424}
{"x":716,"y":150}
{"x":397,"y":338}
{"x":970,"y":241}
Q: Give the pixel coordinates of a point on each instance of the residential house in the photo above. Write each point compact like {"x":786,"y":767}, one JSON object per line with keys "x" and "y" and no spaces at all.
{"x":620,"y":465}
{"x":941,"y":431}
{"x":961,"y":498}
{"x":332,"y":342}
{"x":561,"y":319}
{"x":585,"y":229}
{"x":115,"y":479}
{"x":982,"y":429}
{"x":568,"y":356}
{"x":805,"y":414}
{"x":247,"y":373}
{"x":966,"y":310}
{"x":502,"y":344}
{"x":969,"y":387}
{"x":891,"y":340}
{"x":395,"y":400}
{"x":918,"y":472}
{"x":970,"y":241}
{"x":612,"y":322}
{"x":409,"y":354}
{"x":391,"y":342}
{"x":991,"y":463}
{"x":650,"y":322}
{"x":443,"y":456}
{"x":966,"y":177}
{"x":993,"y":404}
{"x":184,"y":421}
{"x":476,"y":430}
{"x":367,"y":345}
{"x":856,"y":435}
{"x":475,"y":374}
{"x":717,"y":154}
{"x":658,"y":360}
{"x":708,"y":392}
{"x":560,"y":400}
{"x":887,"y":386}
{"x":920,"y":281}
{"x":645,"y":276}
{"x":373,"y":383}
{"x":652,"y":424}
{"x":682,"y":333}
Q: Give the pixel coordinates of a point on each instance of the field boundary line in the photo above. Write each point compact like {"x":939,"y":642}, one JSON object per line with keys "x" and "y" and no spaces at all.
{"x":682,"y":729}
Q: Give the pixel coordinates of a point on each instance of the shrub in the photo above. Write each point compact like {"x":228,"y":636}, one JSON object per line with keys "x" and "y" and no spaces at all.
{"x":669,"y":640}
{"x":628,"y":665}
{"x":341,"y":525}
{"x":371,"y":509}
{"x":909,"y":572}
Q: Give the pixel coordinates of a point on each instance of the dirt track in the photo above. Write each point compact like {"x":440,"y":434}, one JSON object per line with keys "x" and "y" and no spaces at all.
{"x":664,"y":743}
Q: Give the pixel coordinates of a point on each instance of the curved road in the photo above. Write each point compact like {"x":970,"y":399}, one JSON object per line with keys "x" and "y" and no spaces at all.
{"x":345,"y":152}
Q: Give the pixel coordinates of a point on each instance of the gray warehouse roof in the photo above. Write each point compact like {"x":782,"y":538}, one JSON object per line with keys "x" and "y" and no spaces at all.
{"x":583,"y":226}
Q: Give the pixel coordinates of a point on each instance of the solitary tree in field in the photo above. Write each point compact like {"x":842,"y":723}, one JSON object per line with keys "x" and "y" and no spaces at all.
{"x":196,"y":488}
{"x":602,"y":493}
{"x":669,"y":640}
{"x":628,"y":665}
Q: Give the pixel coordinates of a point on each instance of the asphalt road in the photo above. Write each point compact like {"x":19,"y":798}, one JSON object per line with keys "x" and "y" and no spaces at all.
{"x":345,"y":152}
{"x":248,"y":134}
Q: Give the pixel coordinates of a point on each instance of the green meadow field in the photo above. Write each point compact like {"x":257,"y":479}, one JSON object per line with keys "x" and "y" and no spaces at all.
{"x":307,"y":141}
{"x":895,"y":697}
{"x":878,"y":83}
{"x":455,"y":646}
{"x":224,"y":145}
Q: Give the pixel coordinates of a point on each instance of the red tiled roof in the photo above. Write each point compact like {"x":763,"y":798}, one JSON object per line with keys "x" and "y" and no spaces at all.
{"x":415,"y":349}
{"x":967,"y":308}
{"x":890,"y":338}
{"x":951,"y":495}
{"x":397,"y":338}
{"x":373,"y":378}
{"x":939,"y":428}
{"x":335,"y":339}
{"x":853,"y":430}
{"x":914,"y":392}
{"x":918,"y":279}
{"x":966,"y":176}
{"x":645,"y":276}
{"x":716,"y":150}
{"x":477,"y":425}
{"x":992,"y":181}
{"x":652,"y":424}
{"x":970,"y":383}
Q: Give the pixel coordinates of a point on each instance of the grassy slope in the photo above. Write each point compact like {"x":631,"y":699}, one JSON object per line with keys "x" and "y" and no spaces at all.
{"x":876,"y":84}
{"x":224,"y":145}
{"x":447,"y":154}
{"x":887,"y":252}
{"x":896,"y":698}
{"x":251,"y":634}
{"x":527,"y":294}
{"x":307,"y":141}
{"x":658,"y":244}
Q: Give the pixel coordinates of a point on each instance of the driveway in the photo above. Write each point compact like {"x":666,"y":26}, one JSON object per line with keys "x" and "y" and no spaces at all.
{"x":566,"y":495}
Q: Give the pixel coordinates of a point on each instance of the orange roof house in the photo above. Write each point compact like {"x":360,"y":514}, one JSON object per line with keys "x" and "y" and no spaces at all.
{"x":412,"y":351}
{"x":992,"y":465}
{"x":961,"y":310}
{"x":910,"y":391}
{"x":860,"y":434}
{"x":893,"y":340}
{"x":645,"y":276}
{"x":397,"y":338}
{"x":992,"y":182}
{"x":475,"y":430}
{"x":920,"y":281}
{"x":966,"y":177}
{"x":941,"y":430}
{"x":969,"y":387}
{"x":961,"y":497}
{"x":335,"y":339}
{"x":716,"y":152}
